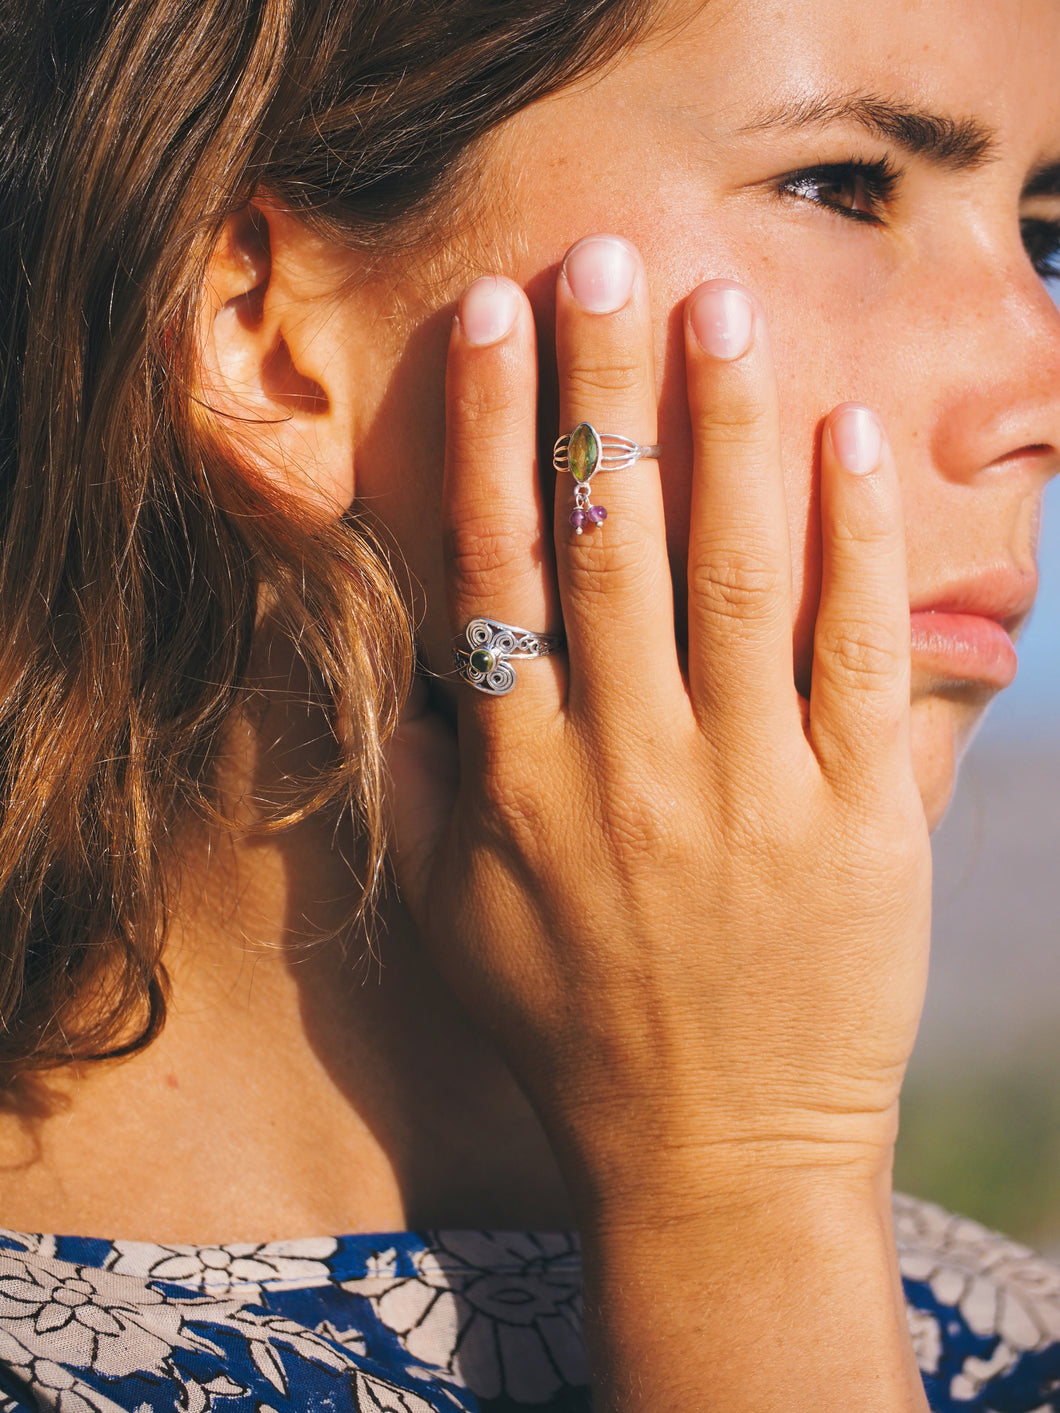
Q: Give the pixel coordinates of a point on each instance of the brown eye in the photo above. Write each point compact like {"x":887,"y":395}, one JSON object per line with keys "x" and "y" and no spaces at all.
{"x":857,"y":190}
{"x":847,"y":192}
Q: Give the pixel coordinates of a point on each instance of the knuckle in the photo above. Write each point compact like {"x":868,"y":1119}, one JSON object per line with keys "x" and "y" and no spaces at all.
{"x":513,"y":810}
{"x":852,"y":536}
{"x":511,"y":803}
{"x":598,"y":568}
{"x":479,"y":407}
{"x":642,"y":837}
{"x":872,"y":847}
{"x":734,"y":424}
{"x":628,"y":378}
{"x":734,"y":584}
{"x":861,"y":650}
{"x":480,"y":553}
{"x":489,"y":443}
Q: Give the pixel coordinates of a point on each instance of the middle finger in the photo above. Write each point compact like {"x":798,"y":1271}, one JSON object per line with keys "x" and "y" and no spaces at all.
{"x":614,"y":577}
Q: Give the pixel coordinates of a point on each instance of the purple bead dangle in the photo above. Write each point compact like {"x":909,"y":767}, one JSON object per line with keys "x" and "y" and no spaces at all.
{"x":585,"y":516}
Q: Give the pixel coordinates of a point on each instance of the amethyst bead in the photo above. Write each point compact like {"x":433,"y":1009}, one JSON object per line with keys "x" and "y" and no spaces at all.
{"x":579,"y":519}
{"x":597,"y":514}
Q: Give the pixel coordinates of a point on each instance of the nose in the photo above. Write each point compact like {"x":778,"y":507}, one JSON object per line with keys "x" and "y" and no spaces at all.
{"x":999,"y":374}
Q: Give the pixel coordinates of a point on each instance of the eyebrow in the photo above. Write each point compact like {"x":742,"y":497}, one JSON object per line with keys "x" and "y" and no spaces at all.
{"x":958,"y":144}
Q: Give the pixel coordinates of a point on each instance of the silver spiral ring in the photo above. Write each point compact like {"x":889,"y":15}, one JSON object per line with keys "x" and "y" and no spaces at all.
{"x":481,"y":653}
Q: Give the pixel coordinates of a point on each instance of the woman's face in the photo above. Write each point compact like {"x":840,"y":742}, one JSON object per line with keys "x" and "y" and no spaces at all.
{"x":864,"y":169}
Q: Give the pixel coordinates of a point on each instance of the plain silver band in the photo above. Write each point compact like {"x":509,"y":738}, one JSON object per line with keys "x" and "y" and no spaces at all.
{"x":502,"y":641}
{"x":616,"y":453}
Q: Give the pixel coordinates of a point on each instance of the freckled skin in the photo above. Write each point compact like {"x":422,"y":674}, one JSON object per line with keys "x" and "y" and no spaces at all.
{"x":934,"y":316}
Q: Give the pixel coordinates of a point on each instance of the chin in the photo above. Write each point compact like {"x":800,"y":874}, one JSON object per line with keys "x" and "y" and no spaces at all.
{"x":943,"y":727}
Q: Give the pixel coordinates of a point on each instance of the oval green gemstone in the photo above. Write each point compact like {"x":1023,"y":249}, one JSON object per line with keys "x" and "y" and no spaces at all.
{"x":583,"y":453}
{"x":481,"y":661}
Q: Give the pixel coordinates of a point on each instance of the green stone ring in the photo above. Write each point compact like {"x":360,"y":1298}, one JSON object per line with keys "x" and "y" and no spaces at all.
{"x":585,"y":451}
{"x":482,"y":650}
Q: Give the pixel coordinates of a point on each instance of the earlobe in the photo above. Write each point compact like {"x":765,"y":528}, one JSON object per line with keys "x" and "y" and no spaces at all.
{"x":274,"y":369}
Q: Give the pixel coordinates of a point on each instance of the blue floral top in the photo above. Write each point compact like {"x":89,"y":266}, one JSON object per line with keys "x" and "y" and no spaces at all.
{"x":444,"y":1321}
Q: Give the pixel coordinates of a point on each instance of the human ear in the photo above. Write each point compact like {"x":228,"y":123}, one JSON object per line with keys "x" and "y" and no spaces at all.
{"x":276,"y":372}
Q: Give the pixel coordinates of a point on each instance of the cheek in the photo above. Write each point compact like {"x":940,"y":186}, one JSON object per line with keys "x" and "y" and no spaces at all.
{"x":839,"y":331}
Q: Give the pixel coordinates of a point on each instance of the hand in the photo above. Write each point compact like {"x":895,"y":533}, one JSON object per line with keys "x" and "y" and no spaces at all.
{"x":691,"y":907}
{"x":688,"y":903}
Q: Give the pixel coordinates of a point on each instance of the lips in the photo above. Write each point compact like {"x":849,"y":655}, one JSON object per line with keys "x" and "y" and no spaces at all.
{"x":965,"y":633}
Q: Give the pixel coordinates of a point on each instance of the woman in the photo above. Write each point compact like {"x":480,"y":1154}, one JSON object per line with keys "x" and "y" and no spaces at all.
{"x":656,"y":955}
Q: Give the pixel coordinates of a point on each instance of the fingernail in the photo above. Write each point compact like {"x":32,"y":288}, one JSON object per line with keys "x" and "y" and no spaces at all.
{"x":600,"y":271}
{"x":723,"y":321}
{"x":488,"y":310}
{"x":857,"y":438}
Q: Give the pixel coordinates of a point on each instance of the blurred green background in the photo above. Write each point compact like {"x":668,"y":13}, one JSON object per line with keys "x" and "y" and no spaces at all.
{"x":987,"y":1143}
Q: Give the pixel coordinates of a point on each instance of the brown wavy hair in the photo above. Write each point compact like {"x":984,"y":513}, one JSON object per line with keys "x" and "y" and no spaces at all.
{"x":134,"y":560}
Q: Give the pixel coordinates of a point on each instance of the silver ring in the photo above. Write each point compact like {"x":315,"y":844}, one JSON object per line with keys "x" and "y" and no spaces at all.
{"x":482,"y":651}
{"x":585,"y":451}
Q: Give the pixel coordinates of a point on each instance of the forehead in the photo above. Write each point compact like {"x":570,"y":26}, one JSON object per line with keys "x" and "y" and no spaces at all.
{"x":997,"y":60}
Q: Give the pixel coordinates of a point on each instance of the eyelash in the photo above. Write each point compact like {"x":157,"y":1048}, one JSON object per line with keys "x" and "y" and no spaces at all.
{"x":878,"y":182}
{"x":1041,"y":240}
{"x":873,"y":183}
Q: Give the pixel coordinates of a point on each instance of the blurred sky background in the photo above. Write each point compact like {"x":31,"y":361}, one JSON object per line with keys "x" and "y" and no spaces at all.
{"x":981,"y":1109}
{"x":1031,"y":706}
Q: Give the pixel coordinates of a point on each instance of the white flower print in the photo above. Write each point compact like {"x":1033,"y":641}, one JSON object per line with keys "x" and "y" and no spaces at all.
{"x":54,"y":1387}
{"x":197,"y":1397}
{"x":30,"y":1242}
{"x":499,"y":1311}
{"x":1001,"y":1289}
{"x":927,"y":1339}
{"x":263,"y":1333}
{"x":58,"y":1318}
{"x":85,"y":1318}
{"x":234,"y":1329}
{"x":375,"y":1395}
{"x":352,"y":1341}
{"x":242,"y":1266}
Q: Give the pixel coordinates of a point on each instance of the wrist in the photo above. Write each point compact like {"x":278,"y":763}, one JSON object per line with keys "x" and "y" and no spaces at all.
{"x":624,"y":1170}
{"x":780,"y":1290}
{"x":737,"y":1199}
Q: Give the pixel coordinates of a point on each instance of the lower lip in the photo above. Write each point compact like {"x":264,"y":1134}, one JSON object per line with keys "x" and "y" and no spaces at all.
{"x":964,"y":647}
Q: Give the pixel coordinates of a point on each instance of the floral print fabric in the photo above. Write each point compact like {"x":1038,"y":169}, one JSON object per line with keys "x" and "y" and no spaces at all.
{"x":438,"y":1322}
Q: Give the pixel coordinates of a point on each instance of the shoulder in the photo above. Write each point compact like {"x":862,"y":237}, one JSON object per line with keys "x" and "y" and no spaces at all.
{"x":984,"y":1312}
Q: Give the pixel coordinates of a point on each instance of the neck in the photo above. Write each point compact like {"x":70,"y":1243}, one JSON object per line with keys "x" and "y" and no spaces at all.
{"x":310,"y":1079}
